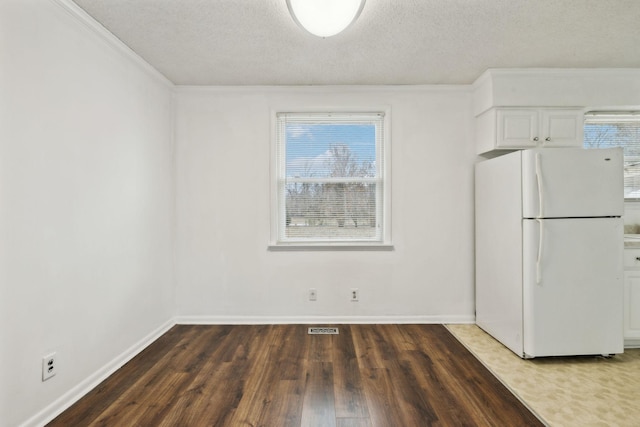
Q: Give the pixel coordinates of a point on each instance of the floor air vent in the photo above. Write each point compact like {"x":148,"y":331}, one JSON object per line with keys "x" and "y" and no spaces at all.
{"x":323,"y":331}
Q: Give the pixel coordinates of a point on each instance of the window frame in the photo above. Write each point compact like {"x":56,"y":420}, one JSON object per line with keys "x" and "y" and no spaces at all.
{"x":278,"y":170}
{"x":603,"y":115}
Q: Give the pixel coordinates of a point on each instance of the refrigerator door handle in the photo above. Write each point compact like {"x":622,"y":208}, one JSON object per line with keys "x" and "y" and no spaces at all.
{"x":540,"y":246}
{"x":539,"y":180}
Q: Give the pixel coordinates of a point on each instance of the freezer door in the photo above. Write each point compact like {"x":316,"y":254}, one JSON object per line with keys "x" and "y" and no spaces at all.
{"x":572,"y":287}
{"x":572,"y":182}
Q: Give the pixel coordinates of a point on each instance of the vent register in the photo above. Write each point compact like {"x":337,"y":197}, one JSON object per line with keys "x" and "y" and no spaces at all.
{"x":323,"y":331}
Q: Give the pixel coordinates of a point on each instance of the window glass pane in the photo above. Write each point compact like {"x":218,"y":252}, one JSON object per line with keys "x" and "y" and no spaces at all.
{"x":331,"y":211}
{"x":603,"y":130}
{"x":330,"y":150}
{"x":330,"y":177}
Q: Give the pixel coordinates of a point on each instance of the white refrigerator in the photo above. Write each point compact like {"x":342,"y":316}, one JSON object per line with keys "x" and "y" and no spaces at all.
{"x":549,"y":251}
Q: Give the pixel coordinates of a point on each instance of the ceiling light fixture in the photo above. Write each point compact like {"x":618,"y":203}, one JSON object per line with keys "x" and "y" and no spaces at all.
{"x":325,"y":18}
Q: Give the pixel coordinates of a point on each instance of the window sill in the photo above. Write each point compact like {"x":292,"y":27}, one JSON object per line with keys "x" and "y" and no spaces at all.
{"x":283,"y":247}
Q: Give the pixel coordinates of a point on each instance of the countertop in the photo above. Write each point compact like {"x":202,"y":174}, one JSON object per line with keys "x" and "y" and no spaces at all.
{"x":632,"y":241}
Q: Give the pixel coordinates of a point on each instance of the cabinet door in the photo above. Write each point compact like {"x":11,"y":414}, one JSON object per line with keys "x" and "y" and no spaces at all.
{"x":562,"y":128}
{"x":632,"y":305}
{"x":517,"y":128}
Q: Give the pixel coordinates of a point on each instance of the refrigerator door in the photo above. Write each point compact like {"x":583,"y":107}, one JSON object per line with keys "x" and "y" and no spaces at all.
{"x":572,"y":182}
{"x":572,"y":286}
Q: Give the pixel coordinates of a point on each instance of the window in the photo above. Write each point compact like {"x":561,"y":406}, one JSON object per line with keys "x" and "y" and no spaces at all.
{"x":613,"y":129}
{"x":330,"y":184}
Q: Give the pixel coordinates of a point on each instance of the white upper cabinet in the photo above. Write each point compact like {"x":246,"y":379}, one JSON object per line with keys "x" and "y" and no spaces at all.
{"x":516,"y":128}
{"x":519,"y":128}
{"x":562,"y":128}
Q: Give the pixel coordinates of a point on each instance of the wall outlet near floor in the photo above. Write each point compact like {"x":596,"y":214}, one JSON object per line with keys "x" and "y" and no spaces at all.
{"x":313,"y":294}
{"x":355,"y":294}
{"x":49,"y":366}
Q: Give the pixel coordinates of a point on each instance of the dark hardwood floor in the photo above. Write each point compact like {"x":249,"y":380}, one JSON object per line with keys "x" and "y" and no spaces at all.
{"x":278,"y":375}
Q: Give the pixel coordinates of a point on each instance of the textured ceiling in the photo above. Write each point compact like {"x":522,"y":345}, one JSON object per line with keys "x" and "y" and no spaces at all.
{"x":255,"y":42}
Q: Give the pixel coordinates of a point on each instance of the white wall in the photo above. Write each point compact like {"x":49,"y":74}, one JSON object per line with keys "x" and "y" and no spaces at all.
{"x":86,"y":205}
{"x":224,"y":270}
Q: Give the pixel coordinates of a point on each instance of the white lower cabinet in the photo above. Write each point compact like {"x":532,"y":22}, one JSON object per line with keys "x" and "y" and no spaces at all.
{"x":632,"y":298}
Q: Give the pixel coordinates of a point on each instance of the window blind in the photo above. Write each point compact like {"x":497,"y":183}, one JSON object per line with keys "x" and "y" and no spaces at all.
{"x":617,"y":129}
{"x":330,"y":177}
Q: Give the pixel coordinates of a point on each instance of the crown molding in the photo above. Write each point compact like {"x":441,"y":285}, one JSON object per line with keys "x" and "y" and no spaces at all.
{"x":324,"y":89}
{"x":87,"y":22}
{"x":554,"y":72}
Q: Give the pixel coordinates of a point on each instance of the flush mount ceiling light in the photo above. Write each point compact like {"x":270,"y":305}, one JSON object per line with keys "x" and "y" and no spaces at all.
{"x":325,"y":18}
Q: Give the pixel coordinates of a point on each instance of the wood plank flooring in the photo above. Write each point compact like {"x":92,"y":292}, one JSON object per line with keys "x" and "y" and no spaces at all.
{"x":278,"y":375}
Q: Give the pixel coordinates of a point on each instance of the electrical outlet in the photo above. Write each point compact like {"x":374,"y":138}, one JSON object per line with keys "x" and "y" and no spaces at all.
{"x":355,"y":294}
{"x":49,"y":366}
{"x":313,"y":294}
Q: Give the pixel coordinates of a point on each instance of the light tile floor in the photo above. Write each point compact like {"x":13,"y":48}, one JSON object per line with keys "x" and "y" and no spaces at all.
{"x":564,"y":391}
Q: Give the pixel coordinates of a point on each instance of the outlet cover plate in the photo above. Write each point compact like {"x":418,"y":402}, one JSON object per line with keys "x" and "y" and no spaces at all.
{"x":49,"y":366}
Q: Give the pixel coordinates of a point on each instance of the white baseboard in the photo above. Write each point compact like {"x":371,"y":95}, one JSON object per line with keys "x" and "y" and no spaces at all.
{"x":277,"y":320}
{"x":72,"y":396}
{"x":632,"y":343}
